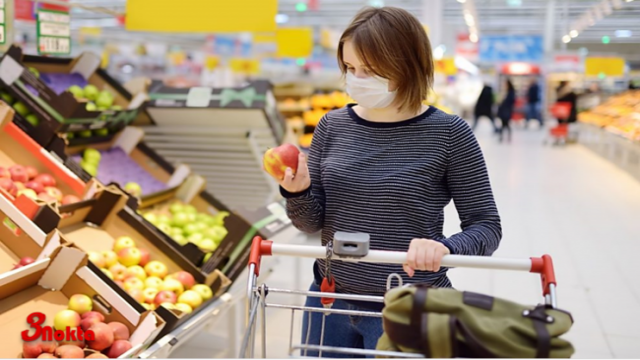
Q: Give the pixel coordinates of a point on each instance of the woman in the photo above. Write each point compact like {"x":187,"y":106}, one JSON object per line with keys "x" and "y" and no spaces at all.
{"x":566,"y":94}
{"x":387,"y":167}
{"x":505,"y":111}
{"x":484,"y":107}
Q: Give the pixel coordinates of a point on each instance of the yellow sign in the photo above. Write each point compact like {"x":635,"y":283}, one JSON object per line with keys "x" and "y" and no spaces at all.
{"x":612,"y":66}
{"x":294,"y":42}
{"x":93,"y":31}
{"x":211,"y":62}
{"x":264,"y":38}
{"x":201,"y":16}
{"x":245,"y":66}
{"x":446,"y":66}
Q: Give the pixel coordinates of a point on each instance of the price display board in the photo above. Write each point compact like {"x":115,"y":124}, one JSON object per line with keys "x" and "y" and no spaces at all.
{"x":54,"y":32}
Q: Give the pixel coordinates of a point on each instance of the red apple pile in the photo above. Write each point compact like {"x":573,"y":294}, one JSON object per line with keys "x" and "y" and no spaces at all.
{"x":148,"y":281}
{"x":23,"y":262}
{"x":110,"y":339}
{"x":18,"y":180}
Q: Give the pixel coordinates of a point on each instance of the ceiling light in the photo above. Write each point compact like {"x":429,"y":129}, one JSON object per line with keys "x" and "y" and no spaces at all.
{"x":623,"y":33}
{"x":473,"y":38}
{"x":462,"y":1}
{"x":628,"y":0}
{"x":606,"y":39}
{"x":376,"y":3}
{"x":514,"y":2}
{"x":566,"y":39}
{"x":573,"y":33}
{"x":468,"y":18}
{"x":301,"y":7}
{"x":282,"y":18}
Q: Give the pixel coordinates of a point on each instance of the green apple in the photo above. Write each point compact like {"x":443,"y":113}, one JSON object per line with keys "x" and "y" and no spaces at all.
{"x":164,"y":219}
{"x":180,"y":219}
{"x":32,"y":119}
{"x":101,"y":132}
{"x":216,"y":233}
{"x":7,"y":98}
{"x":91,"y":92}
{"x":180,"y":239}
{"x":116,"y":108}
{"x":201,"y":226}
{"x":71,"y":135}
{"x":204,"y":291}
{"x":85,"y":133}
{"x":104,"y":101}
{"x":151,"y":217}
{"x":91,"y":107}
{"x":207,"y":245}
{"x":175,"y":231}
{"x":190,"y":229}
{"x":206,"y":258}
{"x":91,"y":168}
{"x":190,"y":209}
{"x":102,"y":108}
{"x":195,"y":238}
{"x":202,"y":217}
{"x":34,"y":71}
{"x":77,"y":91}
{"x":176,"y":208}
{"x":165,"y":228}
{"x":21,"y":108}
{"x":92,"y":156}
{"x":133,"y":189}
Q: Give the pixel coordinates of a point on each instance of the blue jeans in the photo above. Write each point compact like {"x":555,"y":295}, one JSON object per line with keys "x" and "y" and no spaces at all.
{"x":533,"y":112}
{"x":359,"y":332}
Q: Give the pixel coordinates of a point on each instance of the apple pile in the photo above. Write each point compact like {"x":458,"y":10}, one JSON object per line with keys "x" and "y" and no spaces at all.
{"x":17,"y":180}
{"x":24,"y":262}
{"x":186,"y":225}
{"x":91,"y":161}
{"x":97,"y":100}
{"x":148,"y":281}
{"x":110,"y":339}
{"x":20,"y":108}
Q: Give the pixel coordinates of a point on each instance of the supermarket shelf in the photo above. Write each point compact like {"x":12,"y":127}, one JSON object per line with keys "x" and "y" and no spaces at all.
{"x":619,"y":150}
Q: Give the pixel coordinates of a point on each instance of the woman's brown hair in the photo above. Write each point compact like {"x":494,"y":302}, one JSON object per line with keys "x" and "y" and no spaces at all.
{"x":394,"y":45}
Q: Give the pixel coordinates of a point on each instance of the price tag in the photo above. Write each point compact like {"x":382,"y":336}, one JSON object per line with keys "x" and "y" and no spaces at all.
{"x":53,"y":32}
{"x":3,"y":39}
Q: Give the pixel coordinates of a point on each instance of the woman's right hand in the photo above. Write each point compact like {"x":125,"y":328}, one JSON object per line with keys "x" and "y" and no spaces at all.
{"x":298,"y":182}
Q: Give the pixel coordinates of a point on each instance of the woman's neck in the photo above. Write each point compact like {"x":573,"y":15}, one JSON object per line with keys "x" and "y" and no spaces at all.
{"x":388,"y":114}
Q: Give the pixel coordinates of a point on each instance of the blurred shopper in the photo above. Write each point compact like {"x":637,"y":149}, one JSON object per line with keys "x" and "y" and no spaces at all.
{"x":534,"y":103}
{"x":388,"y":166}
{"x":566,"y":94}
{"x":505,"y":110}
{"x":484,"y":107}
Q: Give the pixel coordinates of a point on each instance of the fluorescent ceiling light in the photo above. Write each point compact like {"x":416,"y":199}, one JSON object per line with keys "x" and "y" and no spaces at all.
{"x":462,"y":1}
{"x":473,"y":37}
{"x":573,"y":33}
{"x":566,"y":39}
{"x":514,"y":2}
{"x":623,"y":33}
{"x":282,"y":18}
{"x":469,"y":19}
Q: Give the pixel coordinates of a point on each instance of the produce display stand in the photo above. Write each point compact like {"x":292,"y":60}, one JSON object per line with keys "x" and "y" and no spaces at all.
{"x":29,"y":289}
{"x":621,"y":151}
{"x":41,"y":84}
{"x":220,"y":133}
{"x":96,"y":224}
{"x":125,"y":158}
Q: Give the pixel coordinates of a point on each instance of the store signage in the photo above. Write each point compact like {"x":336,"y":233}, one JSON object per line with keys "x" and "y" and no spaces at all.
{"x":499,"y":48}
{"x":47,"y":333}
{"x":466,"y":48}
{"x":607,"y":66}
{"x":53,"y":32}
{"x":3,"y":23}
{"x":294,"y":42}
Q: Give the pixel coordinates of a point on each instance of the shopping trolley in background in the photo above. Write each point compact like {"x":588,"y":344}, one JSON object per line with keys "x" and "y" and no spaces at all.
{"x":560,"y":133}
{"x":350,"y":247}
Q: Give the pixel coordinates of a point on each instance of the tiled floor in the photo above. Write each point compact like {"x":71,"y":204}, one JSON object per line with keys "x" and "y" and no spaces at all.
{"x":567,"y":202}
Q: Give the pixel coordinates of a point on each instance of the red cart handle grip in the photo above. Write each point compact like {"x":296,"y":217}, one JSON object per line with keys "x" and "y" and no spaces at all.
{"x":544,"y":266}
{"x":259,"y":247}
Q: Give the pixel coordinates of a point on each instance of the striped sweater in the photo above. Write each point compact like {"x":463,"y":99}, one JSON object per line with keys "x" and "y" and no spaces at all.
{"x":392,"y":181}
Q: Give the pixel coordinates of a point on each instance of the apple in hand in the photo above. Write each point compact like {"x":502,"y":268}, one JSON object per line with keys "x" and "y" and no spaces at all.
{"x":18,"y":174}
{"x":123,"y":242}
{"x":129,"y":256}
{"x":35,"y":186}
{"x":191,"y":298}
{"x":165,"y":296}
{"x":204,"y":291}
{"x":278,"y":159}
{"x":46,"y":180}
{"x":156,"y":268}
{"x":80,"y":303}
{"x":66,"y":318}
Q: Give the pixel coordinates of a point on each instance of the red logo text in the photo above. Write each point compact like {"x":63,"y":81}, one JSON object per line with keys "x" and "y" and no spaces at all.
{"x":47,"y":333}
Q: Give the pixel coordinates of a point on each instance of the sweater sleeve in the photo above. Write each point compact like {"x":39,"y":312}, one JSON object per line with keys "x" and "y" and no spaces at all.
{"x":306,"y":209}
{"x":468,"y":183}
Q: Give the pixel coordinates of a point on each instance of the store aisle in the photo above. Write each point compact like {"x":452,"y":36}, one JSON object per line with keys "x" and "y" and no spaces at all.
{"x":569,"y":203}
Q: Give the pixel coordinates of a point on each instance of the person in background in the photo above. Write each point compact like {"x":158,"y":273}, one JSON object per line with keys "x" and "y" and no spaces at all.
{"x":505,"y":111}
{"x":484,"y":107}
{"x":533,"y":103}
{"x":566,"y":94}
{"x":387,"y":166}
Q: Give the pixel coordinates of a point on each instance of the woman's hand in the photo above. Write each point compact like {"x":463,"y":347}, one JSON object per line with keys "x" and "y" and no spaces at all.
{"x":298,"y":182}
{"x":424,"y":254}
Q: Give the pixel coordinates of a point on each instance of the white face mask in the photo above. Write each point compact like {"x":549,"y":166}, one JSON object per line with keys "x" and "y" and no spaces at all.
{"x":371,"y":93}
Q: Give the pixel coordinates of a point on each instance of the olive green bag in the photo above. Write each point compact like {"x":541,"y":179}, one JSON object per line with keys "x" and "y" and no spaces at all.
{"x":446,"y":323}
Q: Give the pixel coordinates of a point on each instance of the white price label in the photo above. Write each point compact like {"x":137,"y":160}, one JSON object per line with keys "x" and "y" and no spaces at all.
{"x":55,"y":45}
{"x":2,"y":4}
{"x":45,"y":16}
{"x":1,"y":16}
{"x":54,"y":29}
{"x":2,"y":39}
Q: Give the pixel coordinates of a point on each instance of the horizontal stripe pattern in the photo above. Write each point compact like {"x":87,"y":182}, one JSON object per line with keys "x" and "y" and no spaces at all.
{"x":392,"y":181}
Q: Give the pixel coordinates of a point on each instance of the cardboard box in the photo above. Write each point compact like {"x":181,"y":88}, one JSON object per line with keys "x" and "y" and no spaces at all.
{"x":57,"y":109}
{"x":16,"y":147}
{"x":96,"y":224}
{"x":192,"y":193}
{"x":46,"y":285}
{"x":126,"y":153}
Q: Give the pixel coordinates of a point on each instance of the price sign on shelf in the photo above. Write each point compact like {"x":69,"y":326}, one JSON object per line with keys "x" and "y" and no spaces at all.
{"x":54,"y":32}
{"x":3,"y":23}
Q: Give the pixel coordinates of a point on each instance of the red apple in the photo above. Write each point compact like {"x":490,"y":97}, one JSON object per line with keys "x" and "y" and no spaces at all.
{"x":87,"y":323}
{"x":4,"y":173}
{"x":31,"y":172}
{"x":49,"y":346}
{"x":47,"y":356}
{"x":70,"y":199}
{"x":118,"y":271}
{"x":135,"y":293}
{"x":118,"y":348}
{"x":35,"y":186}
{"x":54,"y":192}
{"x":97,"y":259}
{"x":9,"y":186}
{"x":150,"y":294}
{"x":18,"y":173}
{"x":136,"y":271}
{"x":69,"y":352}
{"x":103,"y":337}
{"x":165,"y":296}
{"x":32,"y":349}
{"x":278,"y":159}
{"x":46,"y":180}
{"x":133,"y":283}
{"x":97,"y":356}
{"x":90,"y":314}
{"x":26,"y":261}
{"x":80,"y":303}
{"x":129,"y":256}
{"x":172,"y":285}
{"x":185,"y":278}
{"x":120,"y":330}
{"x":144,"y":257}
{"x":46,"y":197}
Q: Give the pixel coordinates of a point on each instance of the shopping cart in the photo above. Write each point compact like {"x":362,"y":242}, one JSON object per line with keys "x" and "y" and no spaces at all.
{"x":356,"y":251}
{"x":560,"y":133}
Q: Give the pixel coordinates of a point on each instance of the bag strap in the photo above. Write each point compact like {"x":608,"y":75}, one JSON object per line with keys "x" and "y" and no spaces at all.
{"x":419,"y":319}
{"x":540,"y":320}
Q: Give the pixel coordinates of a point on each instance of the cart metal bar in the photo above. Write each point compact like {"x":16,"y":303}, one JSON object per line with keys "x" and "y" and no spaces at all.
{"x":323,"y":310}
{"x":351,"y":351}
{"x":367,"y":298}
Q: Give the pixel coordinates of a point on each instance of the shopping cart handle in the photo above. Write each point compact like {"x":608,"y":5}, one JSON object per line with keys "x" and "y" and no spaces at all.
{"x":539,"y":265}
